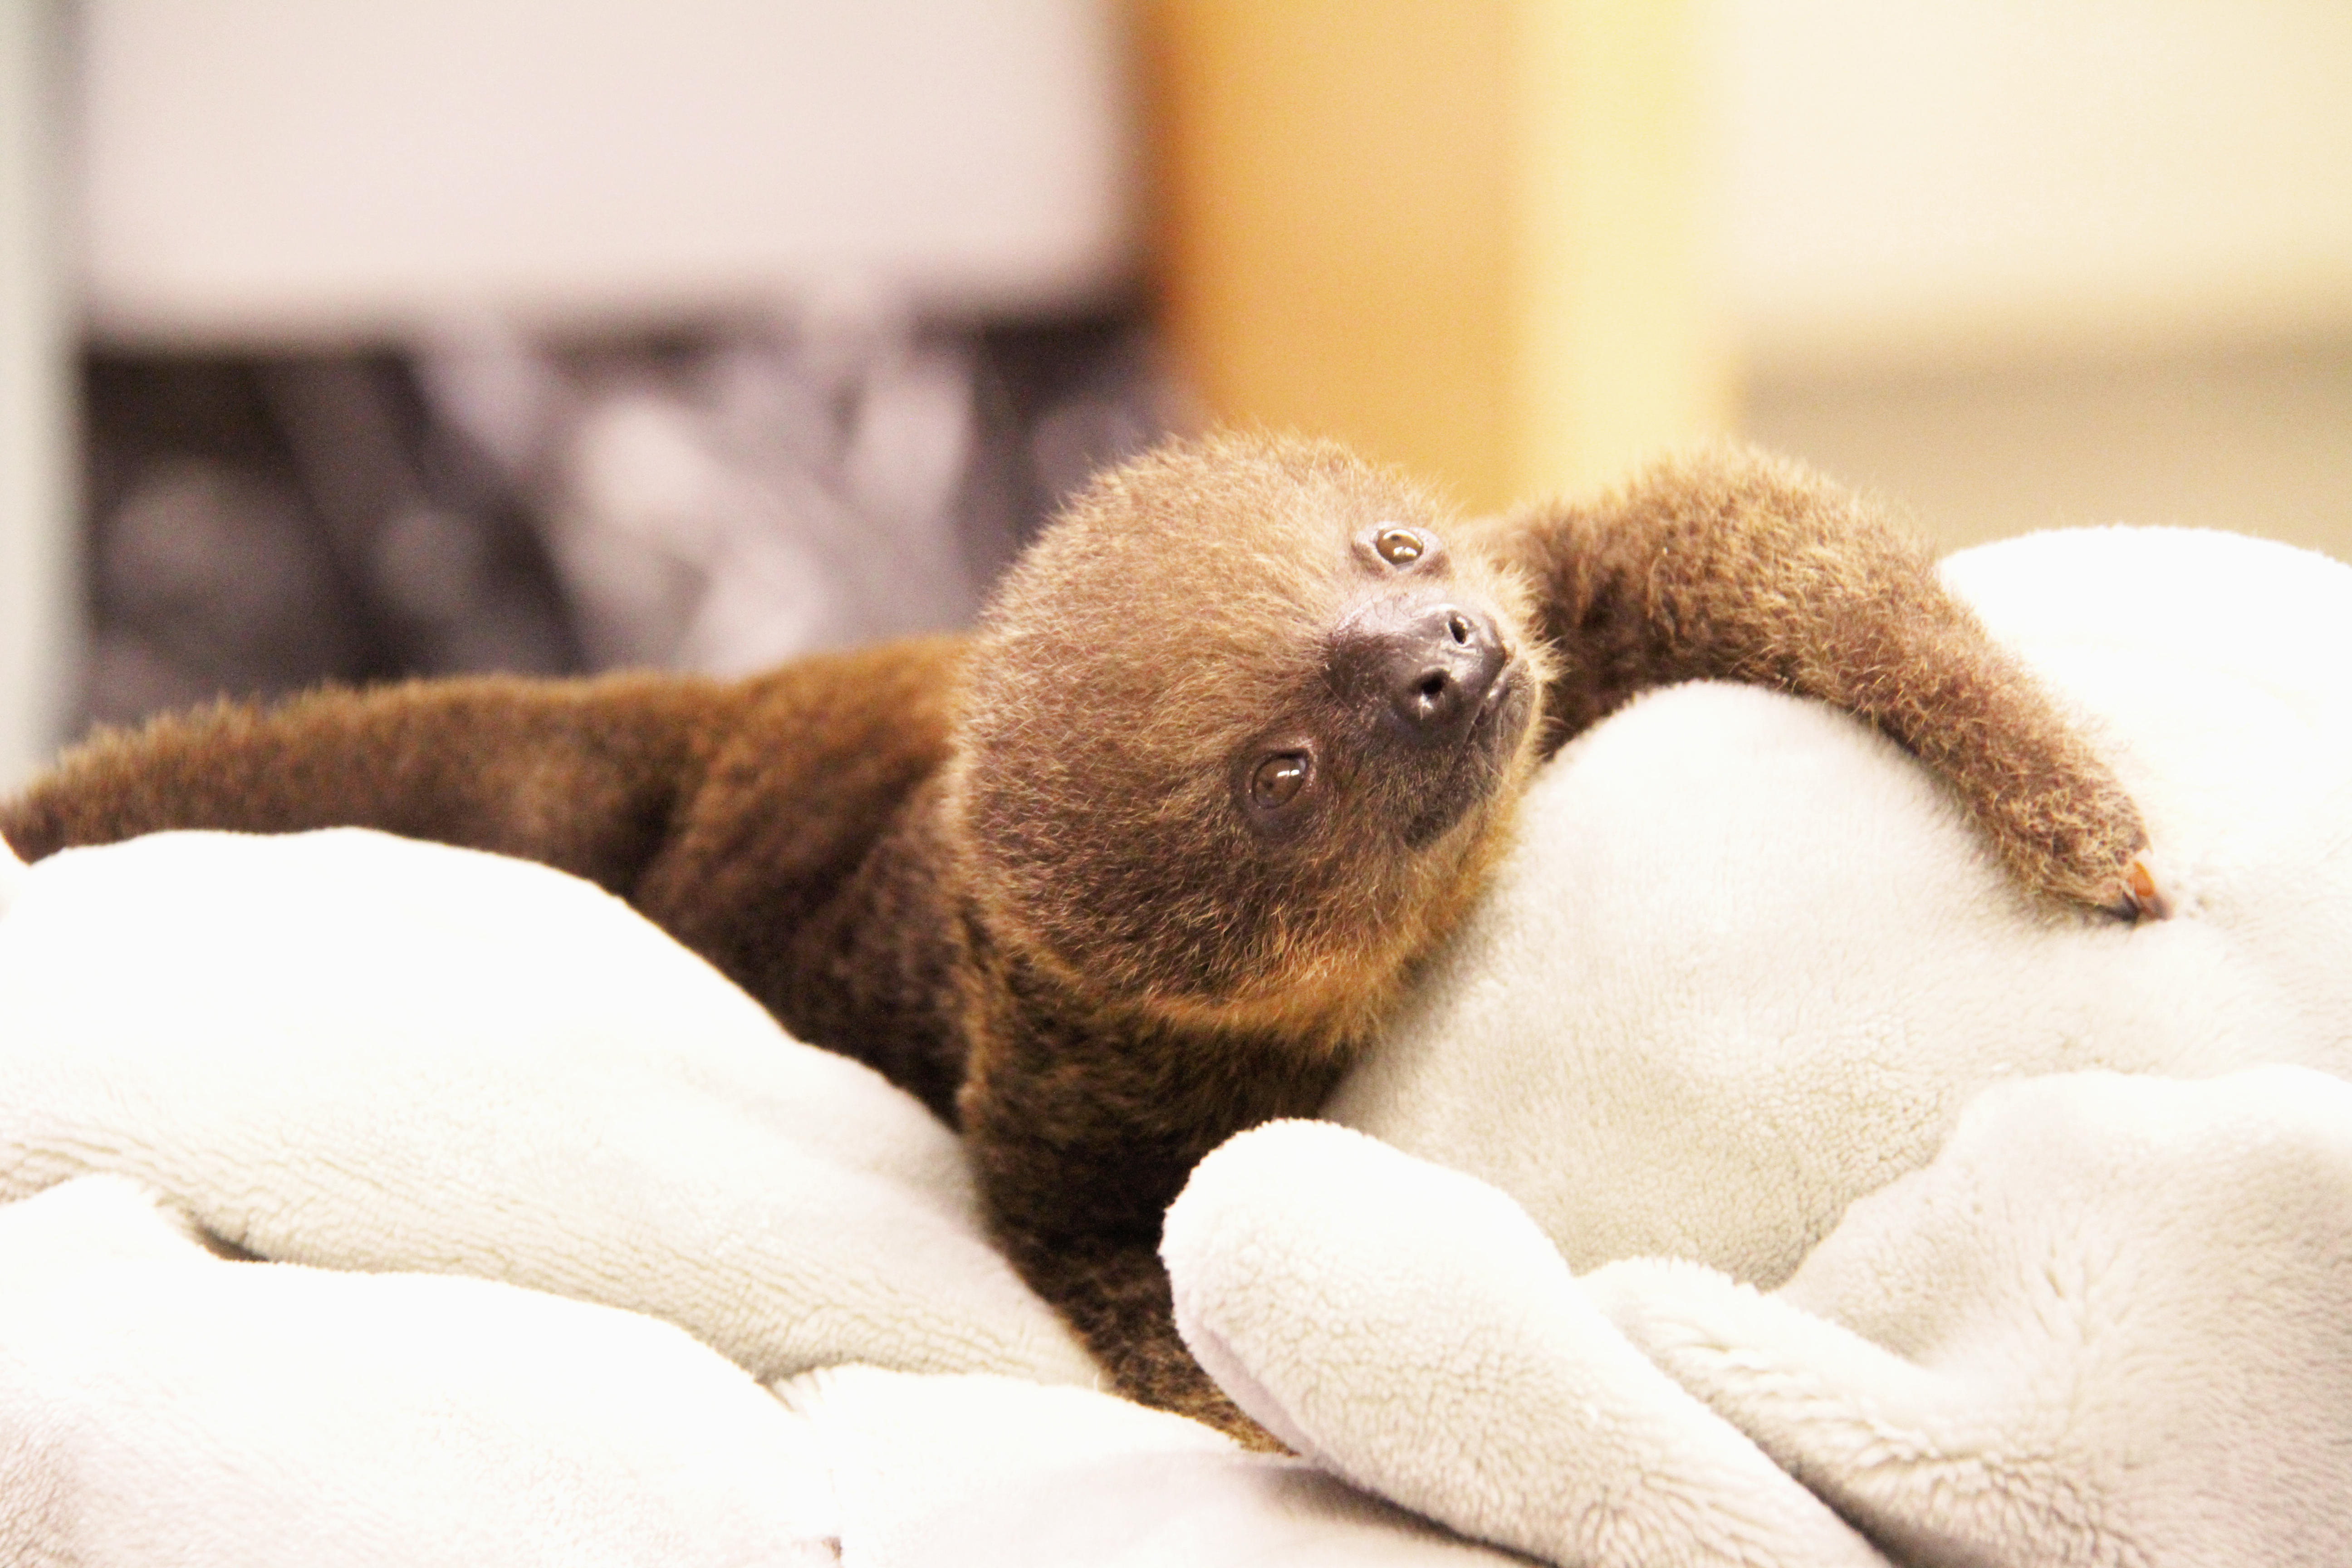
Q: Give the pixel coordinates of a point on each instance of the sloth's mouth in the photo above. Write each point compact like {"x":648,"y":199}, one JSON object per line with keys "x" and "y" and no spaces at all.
{"x":1501,"y":718}
{"x":1477,"y":765}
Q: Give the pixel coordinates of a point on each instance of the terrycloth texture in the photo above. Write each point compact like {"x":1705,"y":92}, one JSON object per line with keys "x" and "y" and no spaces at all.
{"x":351,"y":1050}
{"x":1749,"y":963}
{"x":977,"y":1472}
{"x":348,"y":1049}
{"x":2107,"y":1325}
{"x":1409,"y":1328}
{"x":161,"y":1405}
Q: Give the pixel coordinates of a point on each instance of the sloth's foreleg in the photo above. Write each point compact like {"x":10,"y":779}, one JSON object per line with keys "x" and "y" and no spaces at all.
{"x":1735,"y":566}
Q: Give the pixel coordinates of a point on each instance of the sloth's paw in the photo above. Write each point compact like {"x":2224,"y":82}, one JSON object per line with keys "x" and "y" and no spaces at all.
{"x":2078,"y":840}
{"x":2100,"y":873}
{"x":2138,"y":897}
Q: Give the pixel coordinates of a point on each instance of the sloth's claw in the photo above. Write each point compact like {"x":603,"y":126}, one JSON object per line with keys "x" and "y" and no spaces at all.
{"x":2139,"y":898}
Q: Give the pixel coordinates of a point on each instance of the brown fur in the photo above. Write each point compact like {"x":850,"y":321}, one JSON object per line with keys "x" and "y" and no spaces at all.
{"x":1026,"y":877}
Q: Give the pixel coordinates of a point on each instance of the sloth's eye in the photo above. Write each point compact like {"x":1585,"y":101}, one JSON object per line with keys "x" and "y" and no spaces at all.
{"x":1398,"y":546}
{"x":1278,"y":779}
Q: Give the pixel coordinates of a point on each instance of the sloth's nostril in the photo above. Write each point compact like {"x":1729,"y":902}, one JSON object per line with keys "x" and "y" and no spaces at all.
{"x":1430,"y":666}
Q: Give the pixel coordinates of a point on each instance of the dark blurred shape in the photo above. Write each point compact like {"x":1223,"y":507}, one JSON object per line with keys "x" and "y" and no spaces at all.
{"x":263,"y":525}
{"x":719,"y":498}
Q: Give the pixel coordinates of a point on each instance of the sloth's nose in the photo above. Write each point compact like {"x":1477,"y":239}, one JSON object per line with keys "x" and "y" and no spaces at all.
{"x":1435,"y":664}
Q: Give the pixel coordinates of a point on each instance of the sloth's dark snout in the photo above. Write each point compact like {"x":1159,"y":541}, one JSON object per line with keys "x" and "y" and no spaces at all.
{"x":1432,"y":663}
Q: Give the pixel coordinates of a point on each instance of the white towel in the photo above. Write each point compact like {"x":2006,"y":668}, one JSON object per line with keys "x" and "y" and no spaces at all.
{"x":1407,"y":1327}
{"x":2106,"y":1325}
{"x":159,"y":1407}
{"x":352,"y":1050}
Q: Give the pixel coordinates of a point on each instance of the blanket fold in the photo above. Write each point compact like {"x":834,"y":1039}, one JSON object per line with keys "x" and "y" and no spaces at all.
{"x":160,"y":1406}
{"x":359,"y":1052}
{"x":1409,"y":1328}
{"x":2106,"y":1325}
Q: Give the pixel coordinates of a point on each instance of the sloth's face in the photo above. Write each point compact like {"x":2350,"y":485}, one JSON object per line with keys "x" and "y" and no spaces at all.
{"x":1414,"y":714}
{"x":1242,"y":733}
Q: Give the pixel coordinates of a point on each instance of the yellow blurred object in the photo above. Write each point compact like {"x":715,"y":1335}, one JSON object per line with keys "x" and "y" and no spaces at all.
{"x":1463,"y":235}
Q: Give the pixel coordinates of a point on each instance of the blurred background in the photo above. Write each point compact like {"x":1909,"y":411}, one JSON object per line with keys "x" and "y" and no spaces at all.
{"x":352,"y":338}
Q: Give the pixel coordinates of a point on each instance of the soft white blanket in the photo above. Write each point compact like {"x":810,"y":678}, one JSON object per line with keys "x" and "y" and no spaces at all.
{"x":2104,"y":1326}
{"x":1747,"y":969}
{"x":161,"y":1405}
{"x":350,"y":1050}
{"x":384,"y":1064}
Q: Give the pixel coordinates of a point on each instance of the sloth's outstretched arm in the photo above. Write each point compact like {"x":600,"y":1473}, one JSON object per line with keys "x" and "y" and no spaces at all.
{"x":584,"y":775}
{"x":1739,"y":566}
{"x":612,"y":778}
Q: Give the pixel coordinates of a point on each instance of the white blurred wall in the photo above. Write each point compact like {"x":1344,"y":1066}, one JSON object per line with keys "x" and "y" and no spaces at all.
{"x":2069,"y":261}
{"x":1973,"y":178}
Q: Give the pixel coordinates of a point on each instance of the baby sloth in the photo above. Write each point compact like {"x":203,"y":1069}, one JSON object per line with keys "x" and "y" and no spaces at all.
{"x":1147,"y":859}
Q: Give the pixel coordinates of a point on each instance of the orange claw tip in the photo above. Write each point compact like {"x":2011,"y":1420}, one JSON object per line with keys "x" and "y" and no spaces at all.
{"x":2141,"y":898}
